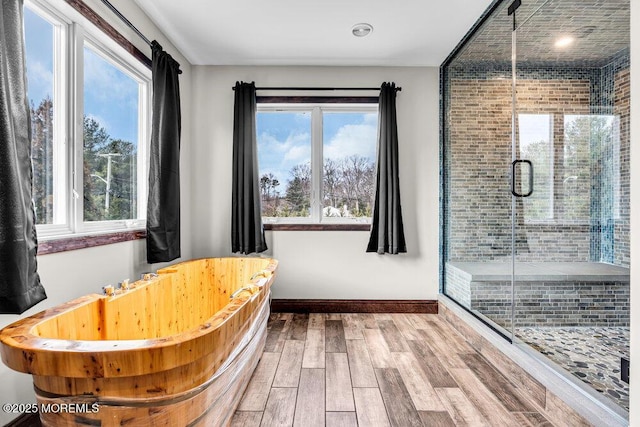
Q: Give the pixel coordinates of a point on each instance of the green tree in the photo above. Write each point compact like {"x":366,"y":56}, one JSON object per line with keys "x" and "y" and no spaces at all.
{"x":94,"y":138}
{"x":42,"y":160}
{"x":538,"y":205}
{"x":332,"y":183}
{"x":269,"y":195}
{"x":108,"y":162}
{"x":123,"y":191}
{"x":358,"y":179}
{"x":588,"y":141}
{"x":298,"y":194}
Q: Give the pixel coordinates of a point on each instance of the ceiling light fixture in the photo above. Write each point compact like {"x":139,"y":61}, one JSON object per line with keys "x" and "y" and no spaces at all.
{"x":563,"y":42}
{"x":362,"y":30}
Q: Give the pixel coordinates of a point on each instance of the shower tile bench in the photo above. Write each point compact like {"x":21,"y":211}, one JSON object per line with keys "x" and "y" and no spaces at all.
{"x":547,"y":293}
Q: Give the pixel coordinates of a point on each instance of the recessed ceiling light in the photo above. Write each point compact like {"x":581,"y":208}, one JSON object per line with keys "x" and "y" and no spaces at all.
{"x":563,"y":42}
{"x":361,"y":30}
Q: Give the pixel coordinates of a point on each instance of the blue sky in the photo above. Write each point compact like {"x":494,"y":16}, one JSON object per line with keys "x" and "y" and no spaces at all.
{"x":39,"y":43}
{"x":284,"y":139}
{"x":110,"y":96}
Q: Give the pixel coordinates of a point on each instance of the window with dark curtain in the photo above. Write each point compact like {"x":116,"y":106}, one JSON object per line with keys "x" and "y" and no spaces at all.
{"x":387,"y":230}
{"x":163,"y":209}
{"x":247,"y":231}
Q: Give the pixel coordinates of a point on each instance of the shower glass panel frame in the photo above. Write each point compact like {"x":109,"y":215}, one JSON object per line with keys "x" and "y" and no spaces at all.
{"x":535,"y":180}
{"x":476,"y":156}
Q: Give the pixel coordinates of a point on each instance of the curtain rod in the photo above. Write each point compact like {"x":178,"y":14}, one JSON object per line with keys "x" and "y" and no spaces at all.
{"x":320,"y":88}
{"x":126,"y":21}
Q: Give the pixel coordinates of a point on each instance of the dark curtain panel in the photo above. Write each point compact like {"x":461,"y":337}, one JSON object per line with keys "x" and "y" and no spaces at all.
{"x":387,"y":231}
{"x":163,"y":208}
{"x":247,"y":232}
{"x":20,"y":286}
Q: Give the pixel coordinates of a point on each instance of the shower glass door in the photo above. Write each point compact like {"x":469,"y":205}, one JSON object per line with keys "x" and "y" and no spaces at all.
{"x":569,"y":184}
{"x":535,"y":183}
{"x":477,"y":106}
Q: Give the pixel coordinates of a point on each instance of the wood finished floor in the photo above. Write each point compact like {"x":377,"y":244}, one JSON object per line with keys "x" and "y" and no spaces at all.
{"x":377,"y":370}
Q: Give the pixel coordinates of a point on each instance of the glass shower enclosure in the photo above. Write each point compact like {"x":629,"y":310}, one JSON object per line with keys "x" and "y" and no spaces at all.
{"x":535,"y":182}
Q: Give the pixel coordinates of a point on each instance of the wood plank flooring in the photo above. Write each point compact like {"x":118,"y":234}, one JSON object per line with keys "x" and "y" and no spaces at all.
{"x":377,"y":370}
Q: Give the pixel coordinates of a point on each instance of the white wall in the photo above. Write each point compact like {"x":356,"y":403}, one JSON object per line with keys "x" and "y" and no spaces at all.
{"x":634,"y":404}
{"x":68,"y":275}
{"x":323,"y":264}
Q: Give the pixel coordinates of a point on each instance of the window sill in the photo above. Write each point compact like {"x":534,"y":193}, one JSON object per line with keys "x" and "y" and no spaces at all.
{"x":317,"y":227}
{"x":72,"y":243}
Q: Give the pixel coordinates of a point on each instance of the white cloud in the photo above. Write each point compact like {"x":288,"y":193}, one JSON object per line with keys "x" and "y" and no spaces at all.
{"x":279,"y":156}
{"x":40,"y":80}
{"x":298,"y":153}
{"x":371,"y":119}
{"x":270,"y":143}
{"x":353,"y":139}
{"x":42,"y":74}
{"x":106,"y":82}
{"x":101,"y":121}
{"x":296,"y":148}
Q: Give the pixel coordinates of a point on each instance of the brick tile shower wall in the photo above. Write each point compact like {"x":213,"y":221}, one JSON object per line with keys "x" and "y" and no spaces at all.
{"x":479,"y":224}
{"x":622,"y":222}
{"x":477,"y":160}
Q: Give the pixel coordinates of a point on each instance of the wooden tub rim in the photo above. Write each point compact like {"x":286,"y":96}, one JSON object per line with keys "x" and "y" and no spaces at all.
{"x":150,"y":401}
{"x":31,"y":344}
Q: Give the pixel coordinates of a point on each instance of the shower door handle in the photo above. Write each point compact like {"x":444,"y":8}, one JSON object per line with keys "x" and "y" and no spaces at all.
{"x":513,"y":178}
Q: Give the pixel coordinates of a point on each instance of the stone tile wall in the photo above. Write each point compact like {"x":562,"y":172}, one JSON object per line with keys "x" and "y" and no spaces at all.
{"x":554,"y":303}
{"x":622,"y":228}
{"x":543,"y":302}
{"x":458,"y":286}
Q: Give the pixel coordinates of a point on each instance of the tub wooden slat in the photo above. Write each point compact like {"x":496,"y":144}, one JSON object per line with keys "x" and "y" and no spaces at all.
{"x":210,"y":407}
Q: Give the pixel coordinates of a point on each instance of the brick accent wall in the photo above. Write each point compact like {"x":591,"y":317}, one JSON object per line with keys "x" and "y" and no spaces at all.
{"x":590,"y":219}
{"x":478,"y":168}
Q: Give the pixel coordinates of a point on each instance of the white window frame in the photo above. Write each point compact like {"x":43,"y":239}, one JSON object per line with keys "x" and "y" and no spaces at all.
{"x":317,"y":157}
{"x":72,"y":31}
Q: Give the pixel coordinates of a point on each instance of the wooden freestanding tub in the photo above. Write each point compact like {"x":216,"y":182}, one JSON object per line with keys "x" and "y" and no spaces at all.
{"x":176,"y":349}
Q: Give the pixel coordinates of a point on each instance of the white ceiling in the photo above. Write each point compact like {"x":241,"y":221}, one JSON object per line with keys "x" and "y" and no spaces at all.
{"x":314,"y":32}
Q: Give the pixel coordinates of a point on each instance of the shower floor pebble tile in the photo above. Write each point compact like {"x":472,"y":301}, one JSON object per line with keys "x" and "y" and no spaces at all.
{"x":591,"y":354}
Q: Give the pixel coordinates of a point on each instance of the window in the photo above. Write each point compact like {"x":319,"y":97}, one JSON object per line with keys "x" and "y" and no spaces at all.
{"x":317,"y":162}
{"x":49,"y":183}
{"x":90,"y":119}
{"x":591,"y":140}
{"x":563,"y":165}
{"x":536,"y":145}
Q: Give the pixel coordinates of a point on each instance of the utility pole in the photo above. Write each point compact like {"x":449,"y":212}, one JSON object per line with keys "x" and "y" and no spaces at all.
{"x":109,"y":156}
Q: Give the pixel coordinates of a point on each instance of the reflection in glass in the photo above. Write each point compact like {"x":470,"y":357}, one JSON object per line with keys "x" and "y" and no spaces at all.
{"x":536,"y":145}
